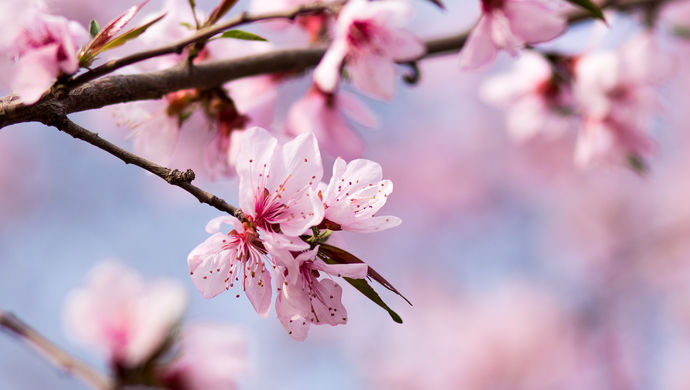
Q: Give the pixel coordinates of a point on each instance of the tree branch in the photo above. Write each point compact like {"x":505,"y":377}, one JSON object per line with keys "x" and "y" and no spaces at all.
{"x":172,"y":176}
{"x":52,"y":352}
{"x":116,"y":89}
{"x":200,"y":36}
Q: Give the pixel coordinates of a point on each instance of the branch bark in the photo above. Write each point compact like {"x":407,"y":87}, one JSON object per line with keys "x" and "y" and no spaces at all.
{"x":172,"y":176}
{"x":52,"y":352}
{"x":116,"y":89}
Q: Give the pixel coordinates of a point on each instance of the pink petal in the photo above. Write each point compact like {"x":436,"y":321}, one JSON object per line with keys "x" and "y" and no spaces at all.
{"x":156,"y":138}
{"x":479,"y":49}
{"x":214,"y":225}
{"x":374,"y":76}
{"x":35,"y":72}
{"x":402,"y":45}
{"x":533,"y":21}
{"x":253,"y":164}
{"x":356,"y":271}
{"x":210,"y":265}
{"x":257,"y":286}
{"x":292,"y":318}
{"x":356,"y":110}
{"x":327,"y":72}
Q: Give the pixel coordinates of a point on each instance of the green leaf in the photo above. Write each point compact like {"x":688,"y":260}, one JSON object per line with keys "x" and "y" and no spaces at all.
{"x":590,"y":7}
{"x":94,"y":28}
{"x":129,"y":35}
{"x":362,"y":286}
{"x":334,"y":255}
{"x":188,"y":25}
{"x":239,"y":34}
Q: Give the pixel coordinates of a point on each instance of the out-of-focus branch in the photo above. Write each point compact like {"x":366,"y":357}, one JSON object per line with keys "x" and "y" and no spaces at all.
{"x":52,"y":352}
{"x":200,"y":36}
{"x":116,"y":89}
{"x":172,"y":176}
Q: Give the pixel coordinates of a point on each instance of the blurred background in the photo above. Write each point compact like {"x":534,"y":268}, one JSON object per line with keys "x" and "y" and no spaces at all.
{"x":525,"y":272}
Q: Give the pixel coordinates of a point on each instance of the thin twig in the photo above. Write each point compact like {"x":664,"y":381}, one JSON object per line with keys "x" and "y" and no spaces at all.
{"x":52,"y":352}
{"x":199,"y":36}
{"x":172,"y":176}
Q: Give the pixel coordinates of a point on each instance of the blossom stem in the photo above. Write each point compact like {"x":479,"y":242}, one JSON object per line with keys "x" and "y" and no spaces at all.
{"x":172,"y":176}
{"x":200,"y":36}
{"x":52,"y":352}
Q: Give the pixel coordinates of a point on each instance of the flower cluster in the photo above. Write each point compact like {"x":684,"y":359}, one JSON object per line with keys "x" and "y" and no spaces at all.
{"x":137,"y":326}
{"x":608,"y":94}
{"x":288,"y":212}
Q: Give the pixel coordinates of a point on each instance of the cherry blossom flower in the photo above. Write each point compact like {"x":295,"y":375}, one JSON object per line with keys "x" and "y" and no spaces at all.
{"x":355,"y":193}
{"x":278,"y":182}
{"x":324,"y":115}
{"x":213,"y":356}
{"x":45,"y":47}
{"x":369,"y":40}
{"x":615,"y":95}
{"x":537,"y":102}
{"x":239,"y":257}
{"x":304,"y":299}
{"x":509,"y":25}
{"x":123,"y":316}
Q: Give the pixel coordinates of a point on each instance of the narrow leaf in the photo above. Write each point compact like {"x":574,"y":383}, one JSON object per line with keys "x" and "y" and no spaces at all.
{"x":340,"y":256}
{"x":221,"y":9}
{"x":94,"y":28}
{"x":590,"y":7}
{"x":109,"y":31}
{"x":129,"y":35}
{"x":362,"y":286}
{"x":246,"y":36}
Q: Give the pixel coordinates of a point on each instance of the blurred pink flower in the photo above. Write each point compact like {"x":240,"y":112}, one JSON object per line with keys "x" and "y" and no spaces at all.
{"x":45,"y":47}
{"x":516,"y":337}
{"x":324,"y":115}
{"x":124,"y":317}
{"x":355,"y":194}
{"x":369,"y":40}
{"x":509,"y":25}
{"x":537,"y":103}
{"x":303,"y":299}
{"x":615,"y":95}
{"x":278,"y":182}
{"x":212,"y":357}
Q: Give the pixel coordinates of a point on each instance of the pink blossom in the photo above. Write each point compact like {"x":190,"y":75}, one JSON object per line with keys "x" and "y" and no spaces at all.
{"x":324,"y":115}
{"x":212,"y":357}
{"x":278,"y":182}
{"x":121,"y":315}
{"x":368,"y":38}
{"x":45,"y":47}
{"x":304,"y":299}
{"x":355,"y":194}
{"x":509,"y":25}
{"x":537,"y":102}
{"x":222,"y":260}
{"x":615,"y":95}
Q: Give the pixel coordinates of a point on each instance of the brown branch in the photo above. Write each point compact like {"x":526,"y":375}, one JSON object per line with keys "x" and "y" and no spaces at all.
{"x":172,"y":176}
{"x":52,"y":352}
{"x":200,"y":36}
{"x":116,"y":89}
